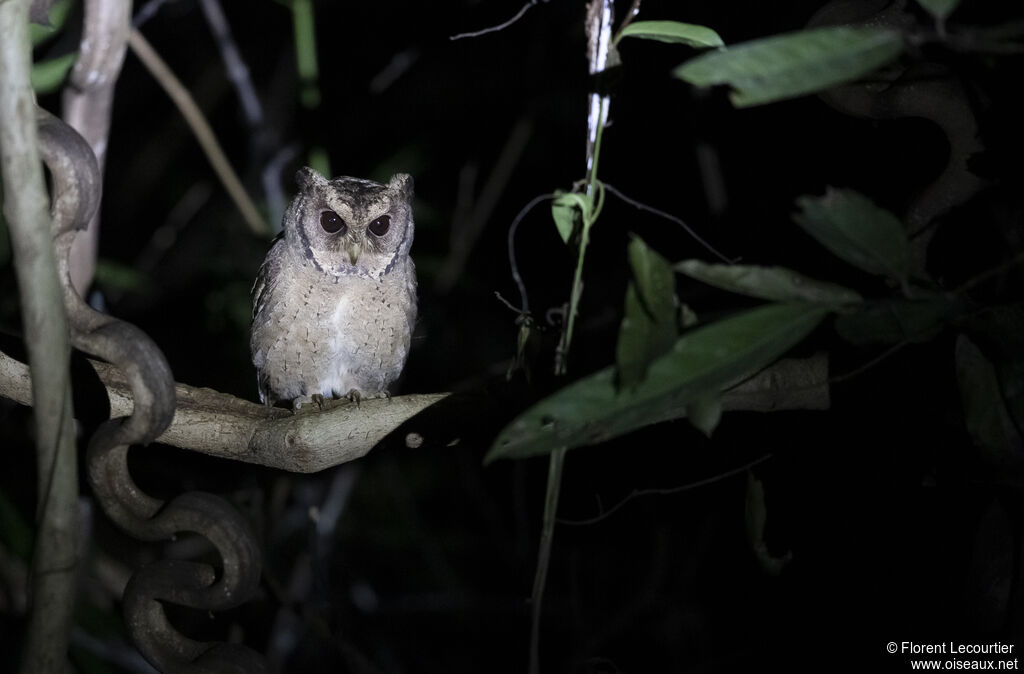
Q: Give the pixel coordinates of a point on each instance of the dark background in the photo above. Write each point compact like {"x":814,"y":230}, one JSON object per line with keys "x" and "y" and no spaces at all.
{"x":897,"y":529}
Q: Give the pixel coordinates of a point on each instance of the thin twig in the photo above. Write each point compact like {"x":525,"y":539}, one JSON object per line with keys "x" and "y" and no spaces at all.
{"x":861,"y":369}
{"x":516,"y":276}
{"x":508,"y":304}
{"x":237,"y":71}
{"x":668,"y":216}
{"x":201,"y":128}
{"x":630,"y":15}
{"x":500,"y":26}
{"x":466,"y":232}
{"x":636,"y":493}
{"x":147,"y":12}
{"x":977,"y":280}
{"x":555,"y":466}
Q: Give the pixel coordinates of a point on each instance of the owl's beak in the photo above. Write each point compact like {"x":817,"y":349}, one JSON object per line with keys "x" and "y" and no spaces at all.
{"x":353,"y":248}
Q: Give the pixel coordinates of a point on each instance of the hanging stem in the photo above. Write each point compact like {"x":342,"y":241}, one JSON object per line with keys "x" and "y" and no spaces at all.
{"x":544,"y":553}
{"x":599,"y":35}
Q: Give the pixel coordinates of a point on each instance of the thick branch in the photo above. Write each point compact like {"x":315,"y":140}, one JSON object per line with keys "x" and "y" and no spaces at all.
{"x":87,"y":103}
{"x":46,"y":337}
{"x":221,"y":425}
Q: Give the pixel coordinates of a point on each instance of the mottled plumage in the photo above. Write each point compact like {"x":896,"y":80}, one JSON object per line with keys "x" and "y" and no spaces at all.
{"x":335,"y":301}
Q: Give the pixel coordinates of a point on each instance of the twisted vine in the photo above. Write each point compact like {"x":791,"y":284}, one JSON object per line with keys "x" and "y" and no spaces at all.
{"x":76,"y":188}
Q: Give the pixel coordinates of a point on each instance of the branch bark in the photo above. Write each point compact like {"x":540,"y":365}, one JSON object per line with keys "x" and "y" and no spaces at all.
{"x":46,"y":338}
{"x":224,"y":426}
{"x":87,"y":102}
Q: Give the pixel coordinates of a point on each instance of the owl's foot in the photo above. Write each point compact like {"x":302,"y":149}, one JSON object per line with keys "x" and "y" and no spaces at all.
{"x":355,"y":396}
{"x":305,"y":400}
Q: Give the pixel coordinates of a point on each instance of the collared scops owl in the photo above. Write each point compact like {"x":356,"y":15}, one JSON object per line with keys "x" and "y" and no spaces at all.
{"x":334,"y":302}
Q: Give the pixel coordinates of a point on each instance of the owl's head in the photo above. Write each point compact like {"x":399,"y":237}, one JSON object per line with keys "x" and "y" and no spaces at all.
{"x":349,"y":226}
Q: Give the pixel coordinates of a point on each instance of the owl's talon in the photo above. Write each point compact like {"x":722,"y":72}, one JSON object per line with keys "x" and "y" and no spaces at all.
{"x":299,"y":402}
{"x":355,"y":396}
{"x":318,"y":399}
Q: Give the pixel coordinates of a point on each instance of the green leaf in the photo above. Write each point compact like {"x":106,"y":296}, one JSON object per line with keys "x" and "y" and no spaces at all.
{"x":116,"y":276}
{"x":852,"y":227}
{"x":16,"y":532}
{"x":701,"y":363}
{"x":564,"y":210}
{"x":673,"y":32}
{"x":50,"y":20}
{"x":648,"y":327}
{"x":794,"y":64}
{"x":778,"y":284}
{"x":48,"y":76}
{"x":757,"y":517}
{"x":985,"y":413}
{"x":999,"y":331}
{"x":900,"y":320}
{"x":705,"y":413}
{"x":940,"y":9}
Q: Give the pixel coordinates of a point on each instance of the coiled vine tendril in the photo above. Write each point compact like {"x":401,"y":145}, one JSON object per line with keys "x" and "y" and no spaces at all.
{"x":76,"y":192}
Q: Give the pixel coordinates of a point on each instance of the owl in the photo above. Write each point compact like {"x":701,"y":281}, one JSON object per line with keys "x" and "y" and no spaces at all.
{"x":334,"y":302}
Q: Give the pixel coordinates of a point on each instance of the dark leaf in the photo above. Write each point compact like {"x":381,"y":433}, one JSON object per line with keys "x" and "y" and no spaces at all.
{"x":648,"y":327}
{"x":1000,"y":334}
{"x":701,"y":363}
{"x":705,"y":413}
{"x":778,"y":284}
{"x":985,"y":415}
{"x":901,"y":320}
{"x":855,"y":229}
{"x":794,"y":64}
{"x":940,"y":9}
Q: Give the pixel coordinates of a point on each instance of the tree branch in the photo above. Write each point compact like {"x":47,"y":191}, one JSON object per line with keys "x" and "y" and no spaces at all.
{"x":46,"y":338}
{"x":222,"y":425}
{"x":87,"y":103}
{"x":201,"y":128}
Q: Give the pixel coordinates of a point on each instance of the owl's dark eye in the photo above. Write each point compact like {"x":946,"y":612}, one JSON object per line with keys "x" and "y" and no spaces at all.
{"x":379,"y":227}
{"x":332,"y":222}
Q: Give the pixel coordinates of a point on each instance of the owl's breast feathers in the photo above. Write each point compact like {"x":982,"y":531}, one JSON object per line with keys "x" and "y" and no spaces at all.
{"x":318,"y":333}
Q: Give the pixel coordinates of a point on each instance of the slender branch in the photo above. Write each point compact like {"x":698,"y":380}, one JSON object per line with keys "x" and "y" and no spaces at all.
{"x":671,"y":218}
{"x":221,"y":425}
{"x":984,"y":276}
{"x":147,"y":12}
{"x":500,"y":26}
{"x":46,"y":338}
{"x":237,"y":71}
{"x":634,"y":10}
{"x":201,"y":128}
{"x":540,"y":578}
{"x":516,"y":276}
{"x":466,"y":232}
{"x":667,"y":491}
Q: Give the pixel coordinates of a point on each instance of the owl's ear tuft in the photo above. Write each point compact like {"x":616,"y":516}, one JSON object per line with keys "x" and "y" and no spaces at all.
{"x":401,"y":183}
{"x":307,"y":179}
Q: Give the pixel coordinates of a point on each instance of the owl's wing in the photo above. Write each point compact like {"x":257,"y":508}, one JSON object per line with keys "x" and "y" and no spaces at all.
{"x":268,"y":276}
{"x":262,"y":290}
